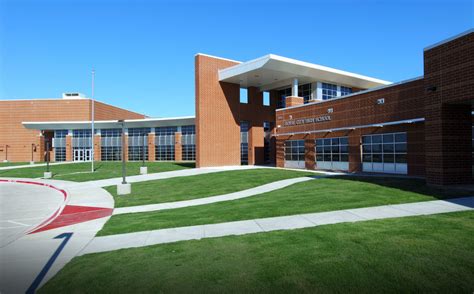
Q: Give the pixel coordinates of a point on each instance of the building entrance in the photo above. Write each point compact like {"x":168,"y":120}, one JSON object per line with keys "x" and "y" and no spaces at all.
{"x":82,"y":154}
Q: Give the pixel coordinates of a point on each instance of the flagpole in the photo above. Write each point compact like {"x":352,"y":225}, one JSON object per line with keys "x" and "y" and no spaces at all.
{"x":92,"y":125}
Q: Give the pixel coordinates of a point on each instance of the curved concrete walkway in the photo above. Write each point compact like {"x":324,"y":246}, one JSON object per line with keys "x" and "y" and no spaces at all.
{"x":213,"y":199}
{"x":147,"y":238}
{"x":33,"y":256}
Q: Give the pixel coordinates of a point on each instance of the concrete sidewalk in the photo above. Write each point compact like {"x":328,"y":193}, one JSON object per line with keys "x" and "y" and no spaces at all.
{"x":34,"y":165}
{"x":26,"y":253}
{"x":140,"y":239}
{"x":213,"y":199}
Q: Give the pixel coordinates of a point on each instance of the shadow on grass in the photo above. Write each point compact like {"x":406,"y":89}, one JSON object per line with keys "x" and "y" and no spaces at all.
{"x":186,"y":164}
{"x":409,"y":185}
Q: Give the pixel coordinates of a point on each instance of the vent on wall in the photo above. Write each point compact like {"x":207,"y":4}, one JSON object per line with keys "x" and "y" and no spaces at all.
{"x":74,"y":95}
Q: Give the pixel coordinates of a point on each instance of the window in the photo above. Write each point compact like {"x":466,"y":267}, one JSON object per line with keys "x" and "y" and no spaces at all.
{"x":244,"y":146}
{"x":244,"y":95}
{"x":332,"y":153}
{"x":305,"y":92}
{"x":294,"y":150}
{"x":111,"y":145}
{"x":345,"y":91}
{"x":385,"y":153}
{"x":329,"y":91}
{"x":60,"y":145}
{"x":164,"y":143}
{"x":267,"y":128}
{"x":188,"y":142}
{"x":266,"y":98}
{"x":138,"y":143}
{"x":282,"y":94}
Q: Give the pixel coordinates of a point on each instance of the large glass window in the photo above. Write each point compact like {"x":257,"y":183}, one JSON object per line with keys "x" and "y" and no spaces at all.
{"x":345,"y":91}
{"x":81,"y":145}
{"x":332,"y":153}
{"x":244,"y":98}
{"x":329,"y":91}
{"x":294,"y":154}
{"x":244,"y":142}
{"x":305,"y":92}
{"x":188,"y":138}
{"x":385,"y":153}
{"x":282,"y":94}
{"x":164,"y":143}
{"x":138,"y":143}
{"x":60,"y":145}
{"x":111,"y":144}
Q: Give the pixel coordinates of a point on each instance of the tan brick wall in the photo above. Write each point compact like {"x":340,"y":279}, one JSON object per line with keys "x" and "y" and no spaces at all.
{"x":219,"y":113}
{"x":97,"y":149}
{"x":178,"y":148}
{"x":151,"y":147}
{"x":293,"y":101}
{"x":14,"y":112}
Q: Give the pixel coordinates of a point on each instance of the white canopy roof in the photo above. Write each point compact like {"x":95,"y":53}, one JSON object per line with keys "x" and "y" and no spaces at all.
{"x":111,"y":124}
{"x":273,"y":71}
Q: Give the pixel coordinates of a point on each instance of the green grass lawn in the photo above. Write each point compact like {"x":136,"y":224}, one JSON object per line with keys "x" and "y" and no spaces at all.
{"x":80,"y":172}
{"x":312,"y":196}
{"x":429,"y":254}
{"x":176,"y":189}
{"x":5,"y":164}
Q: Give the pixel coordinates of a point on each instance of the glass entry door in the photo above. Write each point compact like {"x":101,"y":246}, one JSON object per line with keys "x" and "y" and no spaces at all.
{"x":82,"y":155}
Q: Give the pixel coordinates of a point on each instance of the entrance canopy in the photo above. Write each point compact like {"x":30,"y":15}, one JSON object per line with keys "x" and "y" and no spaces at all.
{"x":111,"y":124}
{"x":273,"y":71}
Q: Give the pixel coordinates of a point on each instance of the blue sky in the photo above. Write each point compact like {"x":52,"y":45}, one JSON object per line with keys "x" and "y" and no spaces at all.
{"x":143,"y":51}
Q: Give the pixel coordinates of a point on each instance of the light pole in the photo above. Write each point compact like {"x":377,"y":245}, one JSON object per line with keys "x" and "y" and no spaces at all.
{"x":123,"y":188}
{"x":92,"y":124}
{"x":32,"y":151}
{"x":124,"y":172}
{"x":143,"y":168}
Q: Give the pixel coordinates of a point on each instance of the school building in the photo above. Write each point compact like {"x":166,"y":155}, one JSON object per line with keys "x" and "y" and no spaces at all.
{"x":278,"y":111}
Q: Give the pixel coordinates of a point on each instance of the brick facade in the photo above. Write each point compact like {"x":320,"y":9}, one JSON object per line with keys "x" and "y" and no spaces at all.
{"x":19,"y":139}
{"x":439,"y":147}
{"x":219,"y":113}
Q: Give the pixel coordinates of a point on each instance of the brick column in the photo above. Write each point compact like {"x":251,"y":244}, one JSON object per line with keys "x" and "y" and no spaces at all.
{"x":68,"y":148}
{"x":256,"y":145}
{"x":309,"y":153}
{"x":97,"y":149}
{"x":280,"y":152}
{"x":151,"y":147}
{"x":178,"y":148}
{"x":355,"y":162}
{"x":41,"y":149}
{"x":125,"y":148}
{"x":294,"y":101}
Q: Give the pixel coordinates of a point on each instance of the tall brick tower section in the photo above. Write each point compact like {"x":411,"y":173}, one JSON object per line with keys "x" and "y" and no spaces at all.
{"x":449,"y":93}
{"x":219,"y":113}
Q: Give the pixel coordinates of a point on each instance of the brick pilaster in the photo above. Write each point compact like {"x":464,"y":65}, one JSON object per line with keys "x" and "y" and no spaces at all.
{"x":97,"y":148}
{"x":309,"y":153}
{"x":151,"y":147}
{"x":355,"y":162}
{"x":178,"y":148}
{"x":68,"y":148}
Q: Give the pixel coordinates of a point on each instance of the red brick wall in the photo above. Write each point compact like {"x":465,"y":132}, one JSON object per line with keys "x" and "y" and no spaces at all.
{"x":449,"y":68}
{"x":219,"y":113}
{"x":402,"y":102}
{"x":14,"y":112}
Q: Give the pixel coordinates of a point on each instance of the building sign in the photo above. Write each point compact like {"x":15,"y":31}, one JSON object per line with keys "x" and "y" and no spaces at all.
{"x":310,"y":120}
